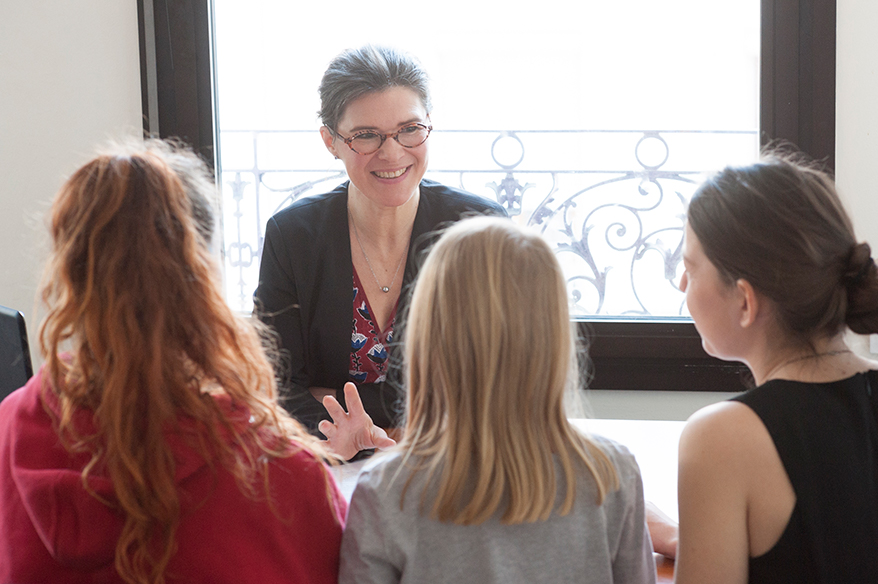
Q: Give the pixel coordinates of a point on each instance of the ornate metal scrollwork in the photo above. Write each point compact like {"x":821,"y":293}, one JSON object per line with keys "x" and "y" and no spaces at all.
{"x":509,"y":192}
{"x":610,"y":203}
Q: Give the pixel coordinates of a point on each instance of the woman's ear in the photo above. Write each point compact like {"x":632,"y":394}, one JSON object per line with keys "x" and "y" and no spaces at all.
{"x":751,"y":302}
{"x":328,"y":140}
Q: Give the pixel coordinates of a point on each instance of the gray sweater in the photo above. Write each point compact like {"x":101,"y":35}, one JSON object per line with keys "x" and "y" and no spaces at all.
{"x":591,"y":544}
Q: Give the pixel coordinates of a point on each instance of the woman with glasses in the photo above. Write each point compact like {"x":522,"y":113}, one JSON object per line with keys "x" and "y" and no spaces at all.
{"x":335,"y":267}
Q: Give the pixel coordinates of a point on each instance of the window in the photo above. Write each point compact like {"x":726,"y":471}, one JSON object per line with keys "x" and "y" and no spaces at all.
{"x":796,"y":102}
{"x":593,"y":128}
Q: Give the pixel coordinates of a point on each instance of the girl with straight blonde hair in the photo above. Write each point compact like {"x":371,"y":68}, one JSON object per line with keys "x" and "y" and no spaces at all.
{"x":491,"y":483}
{"x":150,"y":447}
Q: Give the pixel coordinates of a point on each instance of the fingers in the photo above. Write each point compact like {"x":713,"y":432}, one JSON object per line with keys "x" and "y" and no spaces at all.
{"x":327,"y":428}
{"x":352,"y":398}
{"x":353,"y":430}
{"x":336,"y":412}
{"x":380,"y":439}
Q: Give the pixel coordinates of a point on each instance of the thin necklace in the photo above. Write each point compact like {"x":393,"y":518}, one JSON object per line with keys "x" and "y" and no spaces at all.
{"x":812,"y":356}
{"x":384,"y":289}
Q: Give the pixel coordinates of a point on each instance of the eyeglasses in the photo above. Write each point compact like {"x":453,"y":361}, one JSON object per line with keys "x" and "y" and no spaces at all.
{"x":369,"y":141}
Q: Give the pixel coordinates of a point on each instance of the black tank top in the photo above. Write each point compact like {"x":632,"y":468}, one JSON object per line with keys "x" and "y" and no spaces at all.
{"x":827,"y":438}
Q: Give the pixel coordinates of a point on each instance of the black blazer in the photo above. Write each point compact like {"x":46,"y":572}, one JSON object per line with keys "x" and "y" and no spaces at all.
{"x":306,"y":286}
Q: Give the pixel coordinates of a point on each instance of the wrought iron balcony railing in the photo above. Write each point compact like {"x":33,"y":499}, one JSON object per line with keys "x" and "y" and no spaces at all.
{"x":611,"y":203}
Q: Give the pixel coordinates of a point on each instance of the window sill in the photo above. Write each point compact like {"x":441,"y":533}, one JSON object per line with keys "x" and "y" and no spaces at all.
{"x":650,"y":354}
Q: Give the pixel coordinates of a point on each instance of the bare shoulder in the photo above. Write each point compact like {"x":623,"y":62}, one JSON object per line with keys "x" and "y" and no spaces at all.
{"x":717,"y":449}
{"x":727,"y":426}
{"x":729,"y":442}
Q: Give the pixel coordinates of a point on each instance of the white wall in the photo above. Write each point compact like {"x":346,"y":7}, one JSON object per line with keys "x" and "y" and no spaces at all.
{"x":856,"y":125}
{"x":857,"y":114}
{"x":69,"y":80}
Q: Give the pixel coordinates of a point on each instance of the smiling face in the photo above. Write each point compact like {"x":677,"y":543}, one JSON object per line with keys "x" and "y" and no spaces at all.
{"x":713,"y":303}
{"x":390,"y":176}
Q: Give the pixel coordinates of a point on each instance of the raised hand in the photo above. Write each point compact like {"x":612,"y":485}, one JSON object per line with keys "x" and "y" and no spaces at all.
{"x":351,"y":431}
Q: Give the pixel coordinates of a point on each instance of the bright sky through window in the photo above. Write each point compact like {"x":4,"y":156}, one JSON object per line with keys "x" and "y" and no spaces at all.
{"x":538,"y":70}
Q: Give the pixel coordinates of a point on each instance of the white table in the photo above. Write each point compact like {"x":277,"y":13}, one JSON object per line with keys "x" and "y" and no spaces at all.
{"x":653,"y":443}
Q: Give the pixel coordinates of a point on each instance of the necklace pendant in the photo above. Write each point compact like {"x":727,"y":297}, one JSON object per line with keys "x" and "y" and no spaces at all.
{"x":384,"y":289}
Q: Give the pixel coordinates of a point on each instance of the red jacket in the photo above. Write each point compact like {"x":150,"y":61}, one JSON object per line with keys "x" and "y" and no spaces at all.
{"x":52,"y":530}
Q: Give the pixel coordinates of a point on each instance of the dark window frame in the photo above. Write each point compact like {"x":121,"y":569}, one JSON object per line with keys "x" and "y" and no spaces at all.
{"x":176,"y":72}
{"x":797,"y":104}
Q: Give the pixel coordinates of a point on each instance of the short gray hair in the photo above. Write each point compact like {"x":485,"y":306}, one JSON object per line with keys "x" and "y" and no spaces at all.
{"x":368,"y":69}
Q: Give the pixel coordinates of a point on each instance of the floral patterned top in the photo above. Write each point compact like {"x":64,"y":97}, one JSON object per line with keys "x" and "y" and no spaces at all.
{"x":368,"y":342}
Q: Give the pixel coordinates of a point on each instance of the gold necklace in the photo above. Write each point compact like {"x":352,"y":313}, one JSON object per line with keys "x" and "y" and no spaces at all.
{"x":384,"y":289}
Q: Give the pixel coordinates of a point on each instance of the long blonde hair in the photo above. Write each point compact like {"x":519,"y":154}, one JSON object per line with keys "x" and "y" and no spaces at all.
{"x":489,"y":353}
{"x":131,"y":292}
